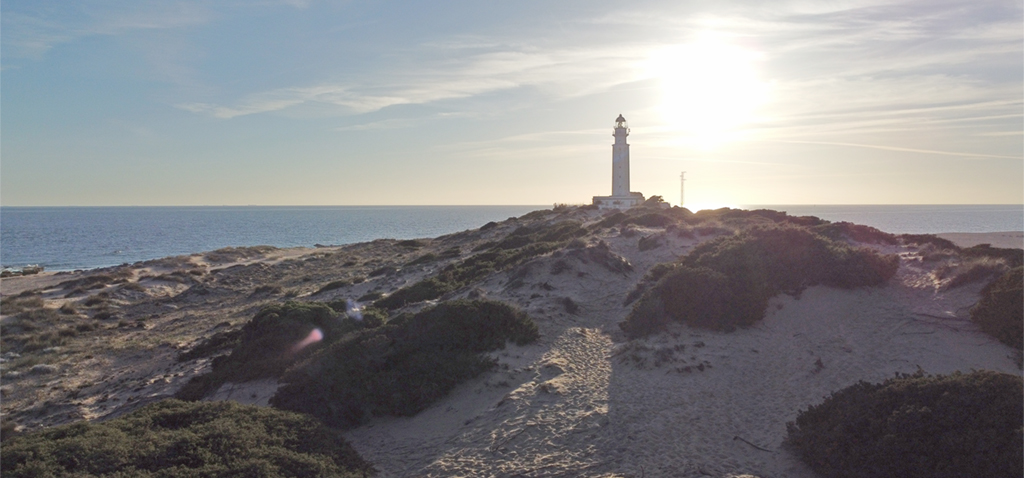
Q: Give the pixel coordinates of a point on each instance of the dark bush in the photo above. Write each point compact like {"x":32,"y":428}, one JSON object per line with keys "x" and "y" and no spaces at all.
{"x":266,"y":345}
{"x":855,"y":232}
{"x":403,"y":366}
{"x":961,"y":425}
{"x":411,"y":244}
{"x":726,"y":283}
{"x":923,"y":239}
{"x":370,"y":296}
{"x":647,"y":243}
{"x":338,"y":284}
{"x":651,"y":220}
{"x":1000,"y":312}
{"x":429,"y":288}
{"x":180,"y":439}
{"x":217,"y":342}
{"x":610,"y":221}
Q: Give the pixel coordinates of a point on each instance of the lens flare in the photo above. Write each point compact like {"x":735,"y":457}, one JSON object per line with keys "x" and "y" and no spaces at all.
{"x":314,"y":336}
{"x":352,"y":310}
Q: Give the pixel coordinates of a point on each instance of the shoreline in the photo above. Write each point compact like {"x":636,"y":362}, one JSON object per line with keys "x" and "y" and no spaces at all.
{"x":999,"y":239}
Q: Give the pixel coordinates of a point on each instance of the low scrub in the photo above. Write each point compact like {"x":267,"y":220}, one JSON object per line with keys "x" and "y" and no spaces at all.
{"x":267,"y":345}
{"x":961,"y":425}
{"x":726,"y":283}
{"x":338,"y":284}
{"x":976,"y":269}
{"x":232,"y":254}
{"x":403,"y":366}
{"x":855,"y":232}
{"x":180,"y":439}
{"x":1000,"y":312}
{"x":519,"y":246}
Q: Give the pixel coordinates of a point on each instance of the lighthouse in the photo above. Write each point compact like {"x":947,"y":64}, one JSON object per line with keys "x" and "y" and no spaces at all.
{"x":622,"y":197}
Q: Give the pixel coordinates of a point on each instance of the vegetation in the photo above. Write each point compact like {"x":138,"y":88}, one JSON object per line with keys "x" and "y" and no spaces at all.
{"x":403,"y":366}
{"x":338,"y":284}
{"x":267,"y":345}
{"x":180,"y":439}
{"x":961,"y":425}
{"x":1000,"y":312}
{"x":232,"y":254}
{"x":726,"y":283}
{"x":519,"y":246}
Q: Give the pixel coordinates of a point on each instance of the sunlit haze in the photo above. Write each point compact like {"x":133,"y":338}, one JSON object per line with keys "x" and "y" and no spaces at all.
{"x":351,"y":103}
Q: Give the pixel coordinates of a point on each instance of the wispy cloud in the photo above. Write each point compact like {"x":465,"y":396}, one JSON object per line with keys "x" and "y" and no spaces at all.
{"x":32,"y":32}
{"x":908,"y":150}
{"x":564,"y":73}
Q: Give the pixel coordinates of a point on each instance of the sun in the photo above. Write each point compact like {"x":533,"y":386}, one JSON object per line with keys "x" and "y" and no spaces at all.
{"x":709,"y":88}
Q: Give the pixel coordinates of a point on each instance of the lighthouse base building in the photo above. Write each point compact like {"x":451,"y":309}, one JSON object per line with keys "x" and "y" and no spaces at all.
{"x":622,"y":197}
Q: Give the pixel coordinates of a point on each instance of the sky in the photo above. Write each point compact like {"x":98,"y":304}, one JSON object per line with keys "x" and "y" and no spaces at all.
{"x":466,"y":102}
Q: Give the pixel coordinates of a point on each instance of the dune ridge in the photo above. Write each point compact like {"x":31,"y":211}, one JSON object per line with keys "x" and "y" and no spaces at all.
{"x":581,"y":401}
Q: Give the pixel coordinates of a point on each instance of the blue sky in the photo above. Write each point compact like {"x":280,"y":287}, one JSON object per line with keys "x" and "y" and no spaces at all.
{"x":447,"y":102}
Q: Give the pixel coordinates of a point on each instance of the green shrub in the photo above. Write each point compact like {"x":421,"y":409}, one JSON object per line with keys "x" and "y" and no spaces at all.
{"x":265,"y":347}
{"x":370,"y":296}
{"x":961,"y":425}
{"x":179,"y":439}
{"x":647,"y":243}
{"x":20,"y":303}
{"x":651,"y":220}
{"x":726,"y":283}
{"x":1000,"y":312}
{"x":925,"y":239}
{"x":855,"y":232}
{"x":610,"y":221}
{"x":333,"y":285}
{"x":429,"y":288}
{"x":522,"y":244}
{"x":1012,"y":257}
{"x":424,"y":259}
{"x":403,"y":366}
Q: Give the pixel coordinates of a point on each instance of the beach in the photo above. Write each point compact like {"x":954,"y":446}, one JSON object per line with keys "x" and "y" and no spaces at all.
{"x":584,"y":400}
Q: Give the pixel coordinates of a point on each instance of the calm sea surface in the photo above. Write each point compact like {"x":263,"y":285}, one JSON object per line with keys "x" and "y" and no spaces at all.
{"x":66,"y":238}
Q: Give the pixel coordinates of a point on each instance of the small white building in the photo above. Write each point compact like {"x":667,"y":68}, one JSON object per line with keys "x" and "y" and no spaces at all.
{"x":622,"y":197}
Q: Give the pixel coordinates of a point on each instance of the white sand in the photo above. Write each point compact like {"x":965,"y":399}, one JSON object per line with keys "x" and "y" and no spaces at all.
{"x":583,"y":402}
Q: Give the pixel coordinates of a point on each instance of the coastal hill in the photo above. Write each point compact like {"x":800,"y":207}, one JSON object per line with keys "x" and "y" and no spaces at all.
{"x":619,"y":376}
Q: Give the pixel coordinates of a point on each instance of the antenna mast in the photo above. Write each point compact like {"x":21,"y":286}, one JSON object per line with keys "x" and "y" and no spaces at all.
{"x":682,"y":187}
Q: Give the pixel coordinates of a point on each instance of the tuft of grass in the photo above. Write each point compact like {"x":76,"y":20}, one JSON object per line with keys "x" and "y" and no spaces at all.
{"x":916,"y":426}
{"x":970,"y":271}
{"x":12,"y":305}
{"x":180,"y":439}
{"x":403,"y":366}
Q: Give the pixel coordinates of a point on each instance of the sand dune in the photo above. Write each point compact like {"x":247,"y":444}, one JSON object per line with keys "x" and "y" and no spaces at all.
{"x":582,"y":401}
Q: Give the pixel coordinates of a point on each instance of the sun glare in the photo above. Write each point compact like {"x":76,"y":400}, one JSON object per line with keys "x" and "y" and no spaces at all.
{"x":709,"y":89}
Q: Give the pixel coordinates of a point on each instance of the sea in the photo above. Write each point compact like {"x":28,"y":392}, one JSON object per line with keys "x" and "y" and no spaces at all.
{"x":72,"y":238}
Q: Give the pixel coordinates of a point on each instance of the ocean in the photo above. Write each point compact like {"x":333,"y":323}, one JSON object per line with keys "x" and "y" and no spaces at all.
{"x":69,"y":238}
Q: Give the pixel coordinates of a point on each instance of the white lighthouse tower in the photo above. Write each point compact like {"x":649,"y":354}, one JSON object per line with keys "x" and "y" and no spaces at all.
{"x":622,"y":197}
